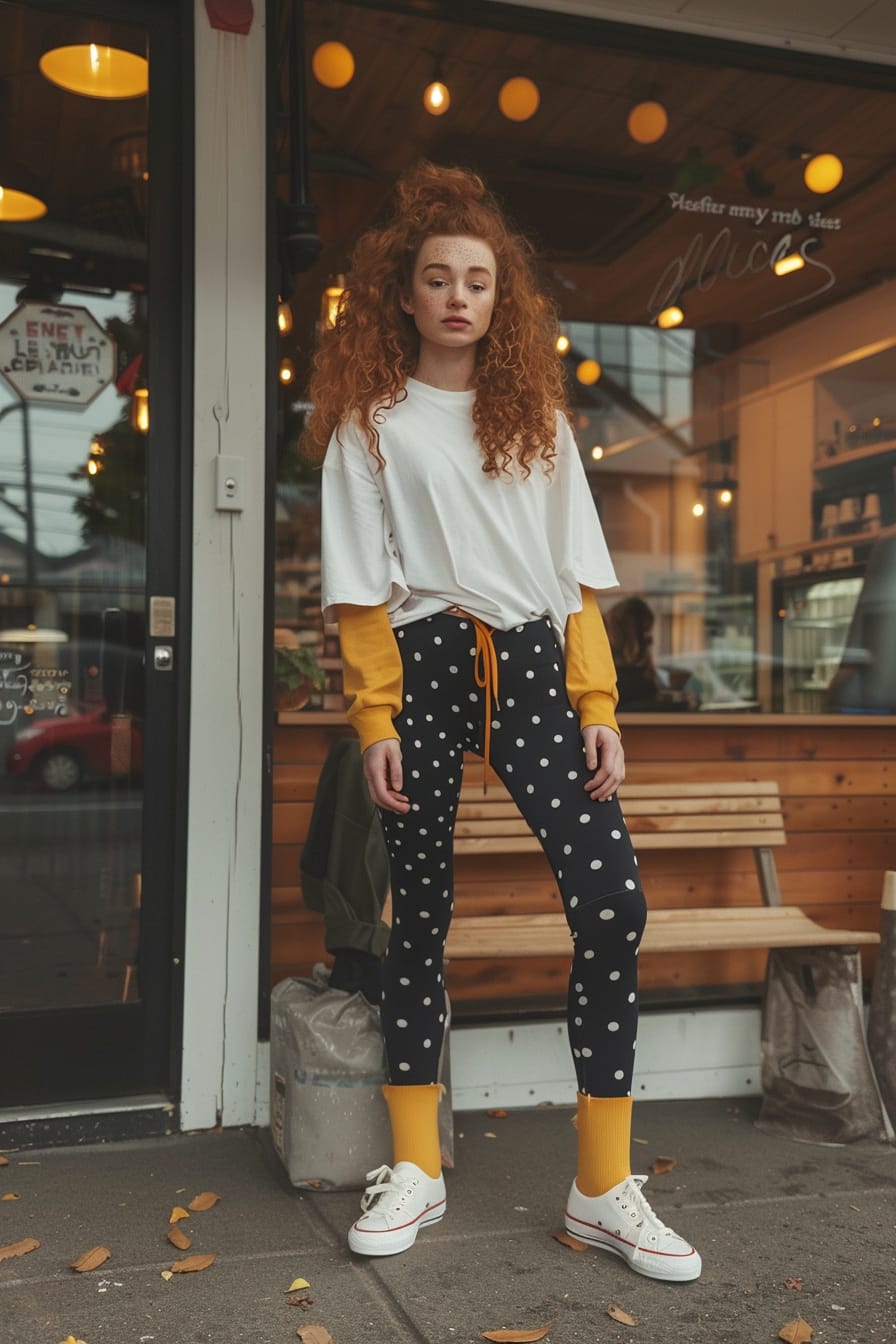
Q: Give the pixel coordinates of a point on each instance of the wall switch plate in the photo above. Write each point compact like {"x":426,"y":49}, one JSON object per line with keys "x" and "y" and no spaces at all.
{"x":229,"y":484}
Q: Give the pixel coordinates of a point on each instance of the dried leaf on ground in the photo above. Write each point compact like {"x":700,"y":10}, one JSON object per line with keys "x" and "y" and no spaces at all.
{"x":297,"y":1284}
{"x":497,"y":1114}
{"x":519,"y":1336}
{"x":796,"y":1332}
{"x":569,"y":1241}
{"x":19,"y":1248}
{"x":304,"y":1300}
{"x":92,"y":1259}
{"x":622,"y":1316}
{"x":179,"y":1238}
{"x":660,"y":1165}
{"x":795,"y":1284}
{"x":10,"y":1196}
{"x":70,"y":1339}
{"x":4,"y":1161}
{"x":178,"y":1213}
{"x":166,"y":1274}
{"x":192,"y":1264}
{"x":206,"y":1200}
{"x":314,"y":1334}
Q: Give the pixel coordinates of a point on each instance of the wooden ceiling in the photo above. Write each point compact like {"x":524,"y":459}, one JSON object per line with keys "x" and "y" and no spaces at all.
{"x":597,"y":205}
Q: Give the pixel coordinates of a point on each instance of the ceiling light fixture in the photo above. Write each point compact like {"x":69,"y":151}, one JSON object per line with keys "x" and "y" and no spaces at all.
{"x":588,"y":372}
{"x":823,"y":173}
{"x":562,"y":344}
{"x":647,"y":123}
{"x":519,"y":98}
{"x":331,"y":300}
{"x":333,"y":65}
{"x":794,"y":261}
{"x":597,"y":452}
{"x":698,"y":509}
{"x":670,"y":317}
{"x":96,"y":71}
{"x":436,"y":98}
{"x":284,"y":317}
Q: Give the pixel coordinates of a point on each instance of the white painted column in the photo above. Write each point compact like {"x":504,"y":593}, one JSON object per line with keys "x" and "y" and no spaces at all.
{"x":224,"y":824}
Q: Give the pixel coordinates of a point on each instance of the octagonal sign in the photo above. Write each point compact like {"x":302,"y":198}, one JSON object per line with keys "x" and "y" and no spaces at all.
{"x":56,"y":354}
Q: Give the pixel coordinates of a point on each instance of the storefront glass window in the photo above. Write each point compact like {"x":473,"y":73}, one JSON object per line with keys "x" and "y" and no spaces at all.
{"x":727,"y":265}
{"x":74,"y":408}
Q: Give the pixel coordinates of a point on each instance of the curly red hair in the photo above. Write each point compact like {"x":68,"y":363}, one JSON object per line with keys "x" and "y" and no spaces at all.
{"x":362,"y":365}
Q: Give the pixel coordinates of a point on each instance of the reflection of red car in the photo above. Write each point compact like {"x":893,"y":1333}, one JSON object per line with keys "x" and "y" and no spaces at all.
{"x":86,"y":743}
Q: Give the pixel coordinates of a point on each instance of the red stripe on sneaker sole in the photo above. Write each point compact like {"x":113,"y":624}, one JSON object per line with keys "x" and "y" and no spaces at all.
{"x":600,"y":1232}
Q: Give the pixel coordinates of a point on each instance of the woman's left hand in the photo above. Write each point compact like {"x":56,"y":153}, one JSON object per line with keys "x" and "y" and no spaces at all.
{"x":605,"y":758}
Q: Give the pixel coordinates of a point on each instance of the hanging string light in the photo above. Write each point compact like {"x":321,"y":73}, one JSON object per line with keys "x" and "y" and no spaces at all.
{"x":333,"y":65}
{"x":562,"y":345}
{"x":519,"y":98}
{"x":329,"y":304}
{"x":436,"y":98}
{"x":647,"y":123}
{"x":823,"y":173}
{"x":588,"y":372}
{"x":284,"y":317}
{"x":670,"y":317}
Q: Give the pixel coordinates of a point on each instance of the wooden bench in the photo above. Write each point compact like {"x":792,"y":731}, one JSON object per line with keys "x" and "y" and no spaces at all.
{"x":711,"y":815}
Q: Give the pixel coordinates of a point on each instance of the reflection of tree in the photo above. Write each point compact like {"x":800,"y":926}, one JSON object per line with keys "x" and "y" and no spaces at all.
{"x":115,"y":502}
{"x":114,"y":505}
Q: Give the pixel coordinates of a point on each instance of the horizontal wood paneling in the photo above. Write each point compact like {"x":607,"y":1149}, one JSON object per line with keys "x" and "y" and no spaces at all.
{"x":838,"y":787}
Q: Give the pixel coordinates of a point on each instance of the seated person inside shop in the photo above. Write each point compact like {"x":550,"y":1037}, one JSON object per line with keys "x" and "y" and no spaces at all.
{"x":641,"y":684}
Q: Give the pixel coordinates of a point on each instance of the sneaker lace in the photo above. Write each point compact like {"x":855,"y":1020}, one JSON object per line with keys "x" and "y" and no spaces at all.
{"x":633,"y":1203}
{"x":382,"y":1181}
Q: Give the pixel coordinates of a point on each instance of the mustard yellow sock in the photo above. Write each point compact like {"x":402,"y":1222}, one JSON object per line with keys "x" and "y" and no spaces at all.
{"x":605,"y":1129}
{"x":413,"y":1114}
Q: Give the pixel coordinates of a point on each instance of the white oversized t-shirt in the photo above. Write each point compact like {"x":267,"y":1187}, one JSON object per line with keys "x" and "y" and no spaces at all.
{"x":430,"y":530}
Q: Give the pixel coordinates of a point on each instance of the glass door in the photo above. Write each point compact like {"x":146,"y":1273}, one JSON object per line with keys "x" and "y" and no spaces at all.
{"x":89,"y":373}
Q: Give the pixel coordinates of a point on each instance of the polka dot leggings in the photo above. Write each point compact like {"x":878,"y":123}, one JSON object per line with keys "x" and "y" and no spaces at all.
{"x":536,"y":749}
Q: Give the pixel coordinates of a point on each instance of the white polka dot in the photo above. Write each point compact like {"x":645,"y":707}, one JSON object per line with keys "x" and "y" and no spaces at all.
{"x":617,"y":835}
{"x":544,"y":762}
{"x":504,"y":656}
{"x":631,"y":998}
{"x":618,"y":1075}
{"x":597,"y":863}
{"x":578,"y":988}
{"x":437,"y":639}
{"x":577,"y":1021}
{"x":608,"y":914}
{"x":530,"y":788}
{"x":583,"y":1000}
{"x":521,"y":741}
{"x":577,"y":1052}
{"x":401,"y":1022}
{"x":405,"y":1068}
{"x":558,"y":737}
{"x":552,"y":691}
{"x":589,"y":954}
{"x":586,"y":1053}
{"x":567,"y":849}
{"x":585,"y":817}
{"x":495,"y":723}
{"x":555,"y":802}
{"x":404,"y":980}
{"x":418,"y":657}
{"x":530,"y":674}
{"x":510,"y":703}
{"x":427,"y":1043}
{"x":630,"y":937}
{"x":573,"y":902}
{"x":612,"y":1026}
{"x":536,"y":718}
{"x":434,"y":685}
{"x":615,"y":975}
{"x":473,"y":696}
{"x":455,"y":709}
{"x":427,"y":1001}
{"x":425,"y":881}
{"x":572,"y":774}
{"x":630,"y":884}
{"x":415,"y":774}
{"x":406,"y":944}
{"x":509,"y":768}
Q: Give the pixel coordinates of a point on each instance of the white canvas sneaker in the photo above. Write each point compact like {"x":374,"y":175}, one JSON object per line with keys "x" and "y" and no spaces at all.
{"x":623,"y":1222}
{"x":398,"y":1202}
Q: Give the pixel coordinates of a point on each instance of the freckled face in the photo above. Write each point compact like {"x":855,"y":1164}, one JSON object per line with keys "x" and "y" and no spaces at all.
{"x":452,"y":294}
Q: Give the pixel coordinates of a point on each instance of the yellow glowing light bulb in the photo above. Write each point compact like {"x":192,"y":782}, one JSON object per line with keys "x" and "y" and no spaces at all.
{"x":562,"y":344}
{"x":588,"y":372}
{"x":519,"y":98}
{"x":725,"y":497}
{"x":597,"y":452}
{"x":823,"y":173}
{"x":670,"y":317}
{"x":792,"y":262}
{"x":647,"y":123}
{"x":436,"y":98}
{"x":698,"y":509}
{"x":333,"y":65}
{"x":287,"y":371}
{"x":284,"y":317}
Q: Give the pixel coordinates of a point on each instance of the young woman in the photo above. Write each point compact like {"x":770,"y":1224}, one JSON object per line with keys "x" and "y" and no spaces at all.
{"x":461,"y":551}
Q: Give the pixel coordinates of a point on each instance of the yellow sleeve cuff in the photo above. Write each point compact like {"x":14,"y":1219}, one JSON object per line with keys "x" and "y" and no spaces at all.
{"x":590,"y":671}
{"x":372,"y":673}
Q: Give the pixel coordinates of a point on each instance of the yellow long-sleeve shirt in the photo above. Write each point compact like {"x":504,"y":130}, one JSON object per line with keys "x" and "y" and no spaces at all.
{"x":372,"y":669}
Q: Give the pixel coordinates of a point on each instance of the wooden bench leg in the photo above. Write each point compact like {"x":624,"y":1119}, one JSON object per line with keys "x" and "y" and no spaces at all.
{"x":767,"y":873}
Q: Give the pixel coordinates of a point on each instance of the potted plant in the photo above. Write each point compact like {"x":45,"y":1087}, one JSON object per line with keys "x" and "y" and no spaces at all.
{"x":296,"y":670}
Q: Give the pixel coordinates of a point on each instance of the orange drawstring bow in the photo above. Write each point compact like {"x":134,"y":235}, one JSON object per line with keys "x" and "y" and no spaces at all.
{"x":485,"y":672}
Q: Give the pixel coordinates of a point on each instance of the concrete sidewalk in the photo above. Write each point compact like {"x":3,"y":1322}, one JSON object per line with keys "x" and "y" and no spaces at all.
{"x":762,"y":1210}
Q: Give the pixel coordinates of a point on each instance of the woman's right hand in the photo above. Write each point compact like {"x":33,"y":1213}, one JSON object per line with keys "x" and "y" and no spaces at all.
{"x":382,"y":770}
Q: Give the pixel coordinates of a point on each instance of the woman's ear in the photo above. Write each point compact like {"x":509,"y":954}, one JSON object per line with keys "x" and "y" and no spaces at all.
{"x":406,"y":304}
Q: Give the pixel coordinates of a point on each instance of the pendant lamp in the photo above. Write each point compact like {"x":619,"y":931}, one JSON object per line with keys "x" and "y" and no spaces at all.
{"x":96,"y":71}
